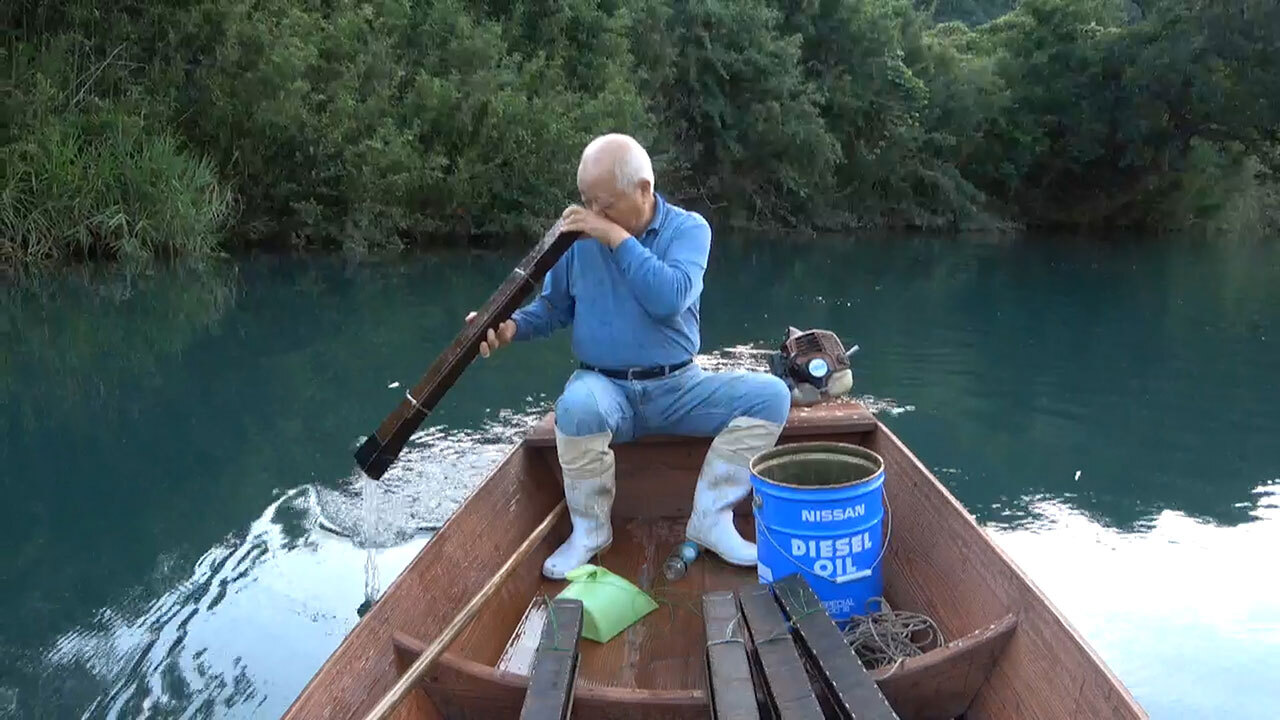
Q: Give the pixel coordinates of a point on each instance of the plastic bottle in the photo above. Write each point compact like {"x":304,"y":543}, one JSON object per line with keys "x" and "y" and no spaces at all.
{"x":680,"y":559}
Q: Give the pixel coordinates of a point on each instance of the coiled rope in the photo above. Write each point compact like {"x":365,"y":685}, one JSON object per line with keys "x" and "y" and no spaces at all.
{"x":886,"y":637}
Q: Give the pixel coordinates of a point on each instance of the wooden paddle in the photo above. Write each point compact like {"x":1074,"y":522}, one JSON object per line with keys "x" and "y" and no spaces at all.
{"x":382,"y":448}
{"x":464,"y":616}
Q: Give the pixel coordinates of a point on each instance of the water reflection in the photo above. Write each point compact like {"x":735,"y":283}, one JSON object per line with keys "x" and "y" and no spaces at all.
{"x":1184,"y":611}
{"x":1144,"y":365}
{"x":1084,"y":400}
{"x":81,"y":341}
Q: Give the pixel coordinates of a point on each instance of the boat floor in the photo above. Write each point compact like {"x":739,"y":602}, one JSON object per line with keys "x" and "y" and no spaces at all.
{"x":656,"y":668}
{"x":661,"y":651}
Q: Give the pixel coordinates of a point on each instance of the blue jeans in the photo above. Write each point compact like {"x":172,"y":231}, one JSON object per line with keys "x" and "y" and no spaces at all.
{"x":689,"y":401}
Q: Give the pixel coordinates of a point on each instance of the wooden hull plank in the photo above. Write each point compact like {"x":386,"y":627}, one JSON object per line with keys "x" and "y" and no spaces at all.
{"x":729,"y":685}
{"x":789,"y":690}
{"x":550,"y":695}
{"x":849,"y":688}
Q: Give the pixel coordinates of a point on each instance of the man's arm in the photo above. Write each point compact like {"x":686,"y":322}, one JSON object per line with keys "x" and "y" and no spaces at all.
{"x":551,"y":310}
{"x":665,"y":287}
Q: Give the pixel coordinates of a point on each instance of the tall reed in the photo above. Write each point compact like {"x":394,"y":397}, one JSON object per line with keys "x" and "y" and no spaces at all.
{"x":82,"y":177}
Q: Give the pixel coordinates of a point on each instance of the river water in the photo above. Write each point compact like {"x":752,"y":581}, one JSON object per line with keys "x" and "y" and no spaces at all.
{"x":185,"y":534}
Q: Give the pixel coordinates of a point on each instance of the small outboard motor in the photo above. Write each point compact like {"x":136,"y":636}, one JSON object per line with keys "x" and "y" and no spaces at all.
{"x":814,"y":364}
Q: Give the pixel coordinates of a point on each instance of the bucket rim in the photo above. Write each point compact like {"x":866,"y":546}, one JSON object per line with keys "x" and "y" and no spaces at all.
{"x":842,"y":449}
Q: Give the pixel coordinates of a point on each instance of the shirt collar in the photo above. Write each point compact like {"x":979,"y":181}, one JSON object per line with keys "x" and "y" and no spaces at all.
{"x":659,"y":214}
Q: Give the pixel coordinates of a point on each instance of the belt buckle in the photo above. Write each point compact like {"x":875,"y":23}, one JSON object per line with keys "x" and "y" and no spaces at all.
{"x":631,"y":373}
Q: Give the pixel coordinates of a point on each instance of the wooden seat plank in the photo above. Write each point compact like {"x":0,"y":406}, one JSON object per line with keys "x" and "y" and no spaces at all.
{"x":849,"y":689}
{"x":555,"y":667}
{"x":730,"y":690}
{"x":790,"y":694}
{"x":836,"y":417}
{"x":942,"y":683}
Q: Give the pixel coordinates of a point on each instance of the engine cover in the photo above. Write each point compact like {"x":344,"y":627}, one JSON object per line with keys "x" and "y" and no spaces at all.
{"x":814,"y":365}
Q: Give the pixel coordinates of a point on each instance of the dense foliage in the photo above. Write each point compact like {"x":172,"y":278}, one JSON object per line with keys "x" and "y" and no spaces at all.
{"x":971,"y":12}
{"x":141,"y":128}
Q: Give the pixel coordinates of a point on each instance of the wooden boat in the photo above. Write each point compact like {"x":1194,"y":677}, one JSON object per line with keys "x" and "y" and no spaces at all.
{"x":1010,"y":653}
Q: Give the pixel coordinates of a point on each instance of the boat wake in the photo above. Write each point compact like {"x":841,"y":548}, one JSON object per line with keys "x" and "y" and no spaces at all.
{"x":437,"y":470}
{"x":241,"y":632}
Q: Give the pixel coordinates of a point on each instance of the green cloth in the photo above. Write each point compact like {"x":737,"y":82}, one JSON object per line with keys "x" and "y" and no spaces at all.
{"x":610,"y":604}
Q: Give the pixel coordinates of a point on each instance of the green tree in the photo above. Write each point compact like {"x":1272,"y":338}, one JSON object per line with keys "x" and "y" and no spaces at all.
{"x":872,"y":59}
{"x":734,"y":104}
{"x":969,"y":12}
{"x":135,"y":129}
{"x":1109,"y":112}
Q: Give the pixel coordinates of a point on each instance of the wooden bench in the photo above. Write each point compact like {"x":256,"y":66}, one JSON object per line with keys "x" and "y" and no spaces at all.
{"x":671,"y":462}
{"x":781,"y":671}
{"x":731,"y":690}
{"x":836,"y":417}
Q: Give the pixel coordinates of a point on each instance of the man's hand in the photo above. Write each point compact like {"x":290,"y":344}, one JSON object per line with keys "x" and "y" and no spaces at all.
{"x":506,"y":331}
{"x":594,"y":225}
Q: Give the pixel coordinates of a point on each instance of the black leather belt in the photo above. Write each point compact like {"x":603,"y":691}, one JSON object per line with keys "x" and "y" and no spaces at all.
{"x":648,"y":373}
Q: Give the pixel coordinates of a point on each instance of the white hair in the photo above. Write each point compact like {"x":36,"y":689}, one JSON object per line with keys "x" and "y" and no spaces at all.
{"x":629,"y":168}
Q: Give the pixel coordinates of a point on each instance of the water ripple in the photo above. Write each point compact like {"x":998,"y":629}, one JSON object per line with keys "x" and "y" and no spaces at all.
{"x":182,"y":653}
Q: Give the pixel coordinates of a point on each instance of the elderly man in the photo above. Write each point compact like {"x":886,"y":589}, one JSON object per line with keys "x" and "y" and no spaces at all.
{"x":631,"y":291}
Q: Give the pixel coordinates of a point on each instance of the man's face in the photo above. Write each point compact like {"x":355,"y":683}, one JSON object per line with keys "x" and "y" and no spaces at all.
{"x":601,"y":195}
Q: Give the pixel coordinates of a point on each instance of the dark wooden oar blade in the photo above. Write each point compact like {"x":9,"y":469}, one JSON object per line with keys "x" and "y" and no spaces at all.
{"x":382,"y":448}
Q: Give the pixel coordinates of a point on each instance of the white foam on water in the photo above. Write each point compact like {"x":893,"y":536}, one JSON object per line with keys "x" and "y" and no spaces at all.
{"x":736,"y":357}
{"x":886,"y":406}
{"x":438,"y":468}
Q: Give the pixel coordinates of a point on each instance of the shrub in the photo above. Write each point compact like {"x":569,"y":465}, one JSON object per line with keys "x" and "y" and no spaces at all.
{"x":83,"y":177}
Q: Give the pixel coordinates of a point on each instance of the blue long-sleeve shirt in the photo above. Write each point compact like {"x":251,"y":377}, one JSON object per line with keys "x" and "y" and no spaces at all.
{"x":635,"y":306}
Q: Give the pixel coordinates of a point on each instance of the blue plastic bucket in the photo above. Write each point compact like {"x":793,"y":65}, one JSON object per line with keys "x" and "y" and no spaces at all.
{"x":819,"y":511}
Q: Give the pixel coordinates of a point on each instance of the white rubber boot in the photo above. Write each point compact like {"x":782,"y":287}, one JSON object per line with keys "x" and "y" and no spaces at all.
{"x":587,"y":464}
{"x":726,"y":479}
